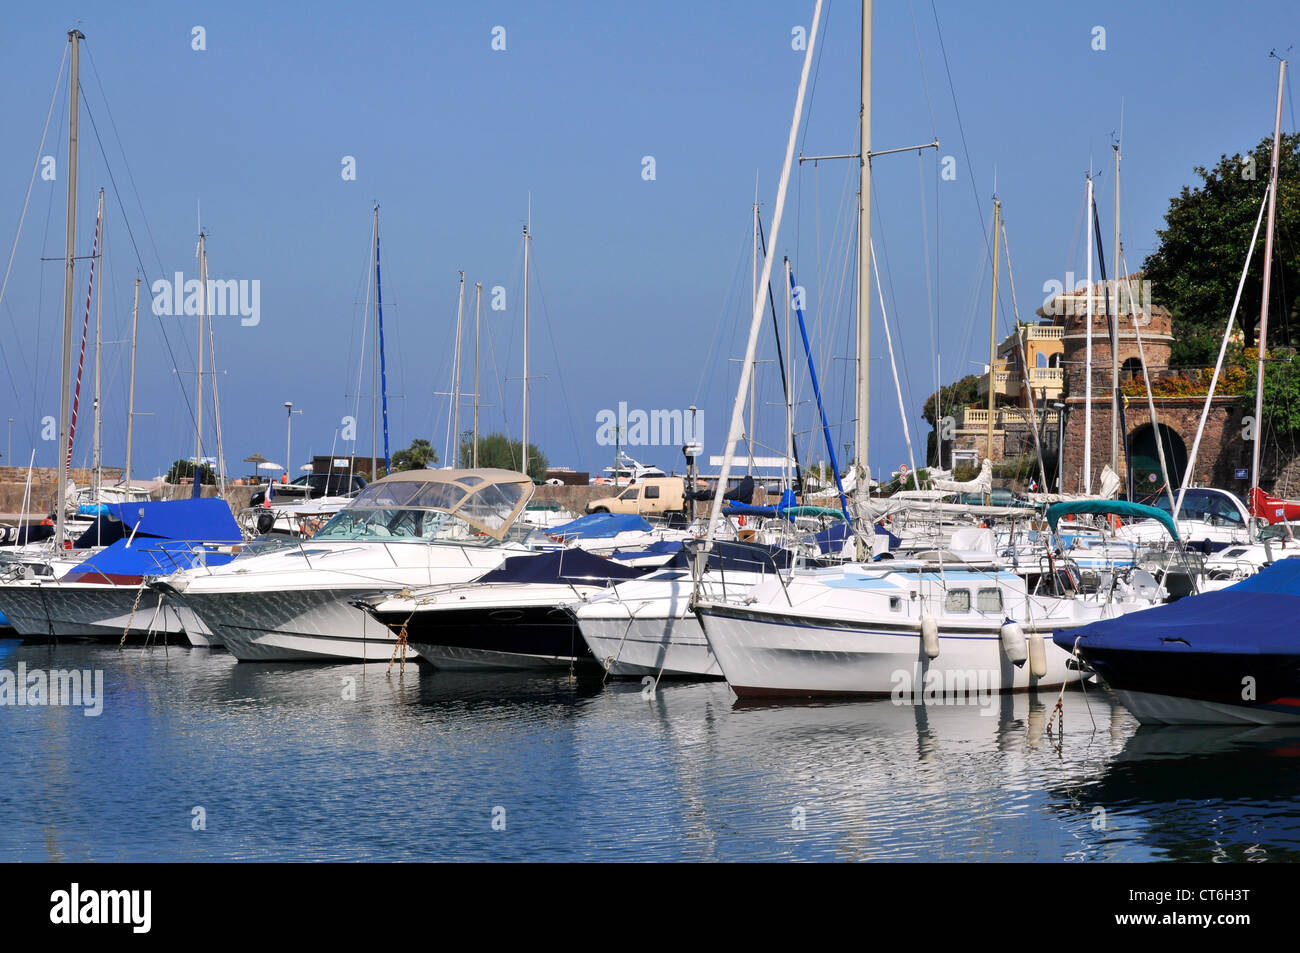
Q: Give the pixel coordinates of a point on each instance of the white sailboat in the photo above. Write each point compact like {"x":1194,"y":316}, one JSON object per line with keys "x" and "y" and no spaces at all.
{"x":863,"y":628}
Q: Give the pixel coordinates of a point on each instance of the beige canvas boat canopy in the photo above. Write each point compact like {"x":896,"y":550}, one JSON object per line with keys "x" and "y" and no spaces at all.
{"x":490,"y":500}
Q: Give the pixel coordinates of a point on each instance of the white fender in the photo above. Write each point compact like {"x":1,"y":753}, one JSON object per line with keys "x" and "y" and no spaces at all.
{"x":1013,"y":643}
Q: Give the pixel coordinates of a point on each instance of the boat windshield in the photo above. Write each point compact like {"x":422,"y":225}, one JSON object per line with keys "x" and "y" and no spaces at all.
{"x":1278,"y":531}
{"x":411,"y":524}
{"x":1202,"y":505}
{"x":462,"y":507}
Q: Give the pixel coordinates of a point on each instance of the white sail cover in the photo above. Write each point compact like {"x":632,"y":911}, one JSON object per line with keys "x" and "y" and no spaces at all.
{"x":981,"y":484}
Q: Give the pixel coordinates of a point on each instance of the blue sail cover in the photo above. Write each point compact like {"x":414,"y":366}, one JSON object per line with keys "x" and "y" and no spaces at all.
{"x":749,"y":509}
{"x":562,"y":566}
{"x":1256,"y":616}
{"x":600,"y":526}
{"x":129,"y":560}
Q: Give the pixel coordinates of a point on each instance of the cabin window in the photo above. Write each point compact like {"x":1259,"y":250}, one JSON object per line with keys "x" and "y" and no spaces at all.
{"x":631,"y":494}
{"x":989,"y":600}
{"x":958,"y":600}
{"x":895,"y":604}
{"x":652,"y":493}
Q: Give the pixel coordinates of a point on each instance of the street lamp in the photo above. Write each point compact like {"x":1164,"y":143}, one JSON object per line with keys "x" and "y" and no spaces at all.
{"x":288,"y":438}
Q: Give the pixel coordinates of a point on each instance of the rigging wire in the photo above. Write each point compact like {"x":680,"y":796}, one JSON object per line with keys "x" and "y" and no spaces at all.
{"x":13,"y":251}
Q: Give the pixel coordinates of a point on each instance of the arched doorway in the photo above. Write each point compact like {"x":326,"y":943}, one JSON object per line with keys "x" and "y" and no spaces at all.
{"x":1146,"y":458}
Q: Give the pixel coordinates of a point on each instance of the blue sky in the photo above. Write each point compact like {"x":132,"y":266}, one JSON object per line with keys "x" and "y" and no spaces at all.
{"x":640,"y":288}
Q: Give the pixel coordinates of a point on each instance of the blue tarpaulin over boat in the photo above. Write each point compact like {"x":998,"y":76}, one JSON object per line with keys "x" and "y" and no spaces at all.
{"x":1256,"y":616}
{"x":209,"y":520}
{"x":562,"y":566}
{"x":144,"y":557}
{"x":600,"y":526}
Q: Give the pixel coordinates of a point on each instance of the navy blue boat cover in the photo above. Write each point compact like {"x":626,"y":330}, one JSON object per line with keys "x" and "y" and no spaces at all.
{"x":660,"y":547}
{"x":562,"y":566}
{"x":1255,"y":616}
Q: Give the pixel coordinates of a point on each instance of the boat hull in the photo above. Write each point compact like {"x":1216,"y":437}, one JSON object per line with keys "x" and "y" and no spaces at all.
{"x":87,"y":610}
{"x":493,"y":636}
{"x":634,"y":645}
{"x":1167,"y":687}
{"x":300,"y":625}
{"x":774,"y":654}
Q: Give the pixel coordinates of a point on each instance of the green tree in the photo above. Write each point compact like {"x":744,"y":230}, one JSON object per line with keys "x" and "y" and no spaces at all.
{"x":1281,"y":390}
{"x":498,"y":450}
{"x":419,"y":454}
{"x":952,"y":398}
{"x":184,"y":469}
{"x":1195,"y":268}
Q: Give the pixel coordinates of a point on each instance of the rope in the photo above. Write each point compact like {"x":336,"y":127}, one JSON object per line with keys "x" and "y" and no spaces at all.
{"x":400,"y":647}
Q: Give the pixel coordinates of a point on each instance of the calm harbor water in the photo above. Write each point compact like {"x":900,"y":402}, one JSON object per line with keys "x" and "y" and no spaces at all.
{"x":284,"y":765}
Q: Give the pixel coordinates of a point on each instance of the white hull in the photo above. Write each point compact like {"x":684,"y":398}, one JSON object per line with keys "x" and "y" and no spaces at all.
{"x":647,"y":645}
{"x":86,"y":610}
{"x":768,"y":654}
{"x":304,"y":625}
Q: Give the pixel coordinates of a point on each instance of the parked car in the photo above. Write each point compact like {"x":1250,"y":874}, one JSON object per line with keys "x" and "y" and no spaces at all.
{"x":647,"y":495}
{"x":311,"y":486}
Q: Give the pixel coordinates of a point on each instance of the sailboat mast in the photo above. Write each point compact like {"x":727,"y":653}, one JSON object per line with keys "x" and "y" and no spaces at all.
{"x":524,"y":451}
{"x":379,"y":327}
{"x":753,"y":383}
{"x":374,"y":378}
{"x":130,"y":403}
{"x":993,"y":329}
{"x":69,"y":277}
{"x":203,"y":309}
{"x":1114,"y":333}
{"x":1087,"y":381}
{"x":455,"y":387}
{"x":478,"y":314}
{"x":864,"y":263}
{"x":97,"y":464}
{"x":789,"y":406}
{"x":1261,"y":339}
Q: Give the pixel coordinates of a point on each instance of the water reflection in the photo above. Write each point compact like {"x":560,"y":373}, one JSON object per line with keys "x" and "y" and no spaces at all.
{"x":364,"y":762}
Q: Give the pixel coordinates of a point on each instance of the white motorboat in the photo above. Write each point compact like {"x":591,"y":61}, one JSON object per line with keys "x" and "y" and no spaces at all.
{"x":409,"y":530}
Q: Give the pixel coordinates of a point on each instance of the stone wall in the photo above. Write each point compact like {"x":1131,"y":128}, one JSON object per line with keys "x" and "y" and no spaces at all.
{"x":1223,"y":449}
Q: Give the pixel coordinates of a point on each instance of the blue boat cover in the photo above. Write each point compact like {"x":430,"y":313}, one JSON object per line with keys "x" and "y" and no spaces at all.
{"x":600,"y":526}
{"x":660,"y":547}
{"x":208,"y":519}
{"x":144,"y":557}
{"x":1256,"y":616}
{"x":562,"y":566}
{"x":832,"y":539}
{"x":740,"y":557}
